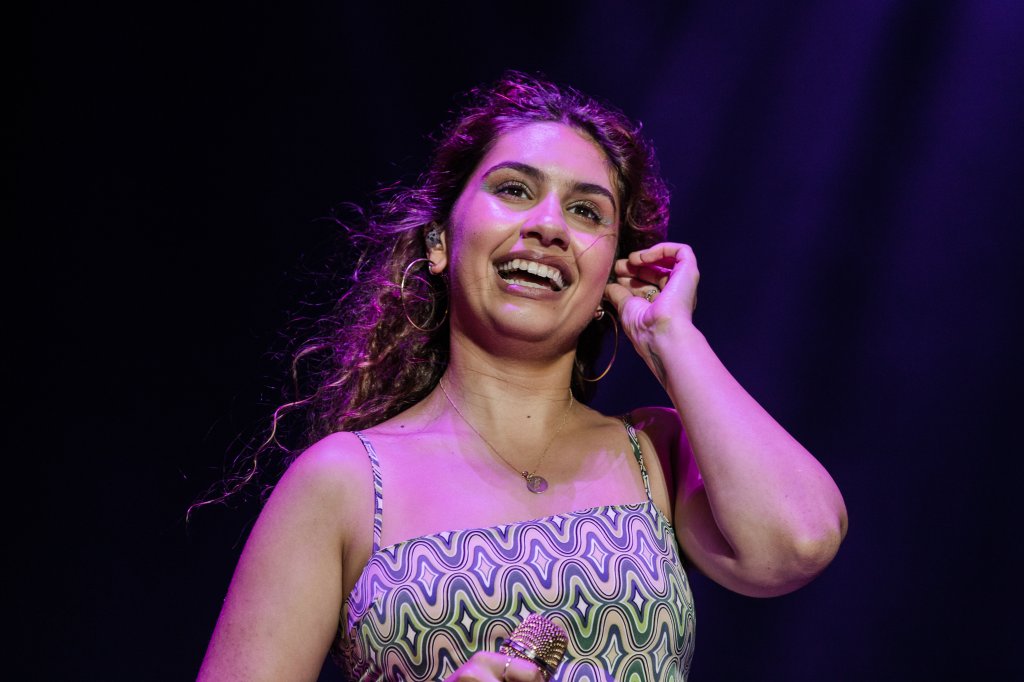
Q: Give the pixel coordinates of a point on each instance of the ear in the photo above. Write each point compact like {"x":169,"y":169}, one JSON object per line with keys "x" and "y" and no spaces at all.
{"x":436,"y":239}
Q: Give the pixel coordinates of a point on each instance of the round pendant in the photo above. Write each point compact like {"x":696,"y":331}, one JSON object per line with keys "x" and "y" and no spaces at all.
{"x":536,"y":484}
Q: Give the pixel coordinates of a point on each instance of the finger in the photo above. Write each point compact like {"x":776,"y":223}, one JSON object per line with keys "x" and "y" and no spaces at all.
{"x":670,"y":258}
{"x":513,"y":669}
{"x":664,"y":253}
{"x":649,"y":274}
{"x":637,"y":286}
{"x":519,"y":670}
{"x":634,"y":264}
{"x":652,"y":273}
{"x":489,"y":666}
{"x":618,"y":294}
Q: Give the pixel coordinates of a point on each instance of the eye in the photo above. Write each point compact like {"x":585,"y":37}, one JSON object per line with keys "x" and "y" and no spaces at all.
{"x":514,"y":189}
{"x":588,"y":211}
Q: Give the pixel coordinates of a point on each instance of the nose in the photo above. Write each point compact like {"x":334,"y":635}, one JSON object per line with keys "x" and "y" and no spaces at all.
{"x":546,"y":223}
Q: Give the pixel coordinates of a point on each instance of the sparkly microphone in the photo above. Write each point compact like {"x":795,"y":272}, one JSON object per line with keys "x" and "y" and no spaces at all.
{"x":539,"y":641}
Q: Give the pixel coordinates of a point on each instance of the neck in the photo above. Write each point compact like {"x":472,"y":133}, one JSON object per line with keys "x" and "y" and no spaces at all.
{"x":504,"y":395}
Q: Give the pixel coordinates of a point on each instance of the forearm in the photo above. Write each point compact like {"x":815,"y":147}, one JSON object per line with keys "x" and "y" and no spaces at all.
{"x":775,"y":506}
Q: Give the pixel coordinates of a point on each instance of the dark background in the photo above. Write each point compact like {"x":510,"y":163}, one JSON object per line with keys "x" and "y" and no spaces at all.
{"x":849,"y":175}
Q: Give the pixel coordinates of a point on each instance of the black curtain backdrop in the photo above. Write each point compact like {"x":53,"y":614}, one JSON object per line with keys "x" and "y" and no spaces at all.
{"x":848,"y":173}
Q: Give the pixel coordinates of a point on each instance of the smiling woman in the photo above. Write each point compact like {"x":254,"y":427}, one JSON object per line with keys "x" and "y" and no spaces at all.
{"x":533,"y":237}
{"x":458,"y":396}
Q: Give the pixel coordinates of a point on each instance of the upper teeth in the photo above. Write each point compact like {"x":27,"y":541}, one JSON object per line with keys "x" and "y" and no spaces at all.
{"x":534,"y":268}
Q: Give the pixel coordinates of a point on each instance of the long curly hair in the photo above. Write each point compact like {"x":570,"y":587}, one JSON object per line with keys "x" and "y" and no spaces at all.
{"x":365,"y":361}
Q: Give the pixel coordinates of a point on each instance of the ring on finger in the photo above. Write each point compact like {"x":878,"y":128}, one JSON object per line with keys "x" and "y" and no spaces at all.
{"x":508,"y":662}
{"x":651,"y":293}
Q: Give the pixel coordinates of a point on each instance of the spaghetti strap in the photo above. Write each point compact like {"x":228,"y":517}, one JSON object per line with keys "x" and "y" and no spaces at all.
{"x":634,"y":441}
{"x":378,"y":489}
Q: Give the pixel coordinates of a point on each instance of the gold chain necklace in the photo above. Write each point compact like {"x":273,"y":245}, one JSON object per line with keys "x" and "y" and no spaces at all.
{"x":534,"y":483}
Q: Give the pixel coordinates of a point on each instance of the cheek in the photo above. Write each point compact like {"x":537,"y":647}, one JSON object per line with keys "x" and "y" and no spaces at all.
{"x":595,"y":259}
{"x":598,"y":250}
{"x":480,"y":223}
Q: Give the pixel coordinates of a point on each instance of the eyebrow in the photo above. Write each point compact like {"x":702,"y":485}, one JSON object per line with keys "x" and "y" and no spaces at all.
{"x":540,"y":176}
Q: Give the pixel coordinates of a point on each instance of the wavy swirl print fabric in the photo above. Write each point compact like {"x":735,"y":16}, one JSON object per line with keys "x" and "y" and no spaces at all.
{"x":611,"y":576}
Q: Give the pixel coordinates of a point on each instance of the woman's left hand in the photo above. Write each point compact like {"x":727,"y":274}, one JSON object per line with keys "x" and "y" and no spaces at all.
{"x":653,"y":289}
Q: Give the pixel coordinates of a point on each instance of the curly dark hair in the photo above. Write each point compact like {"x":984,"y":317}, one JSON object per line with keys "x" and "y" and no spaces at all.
{"x":372,"y":362}
{"x":366,"y":363}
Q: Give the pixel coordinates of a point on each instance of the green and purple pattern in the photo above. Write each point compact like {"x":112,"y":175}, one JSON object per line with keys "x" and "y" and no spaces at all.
{"x":611,"y":576}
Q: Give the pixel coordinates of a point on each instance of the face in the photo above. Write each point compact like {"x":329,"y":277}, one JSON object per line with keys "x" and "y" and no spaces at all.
{"x":532,"y":237}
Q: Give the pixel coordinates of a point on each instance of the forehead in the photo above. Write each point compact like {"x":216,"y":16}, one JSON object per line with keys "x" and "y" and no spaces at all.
{"x":562,"y":152}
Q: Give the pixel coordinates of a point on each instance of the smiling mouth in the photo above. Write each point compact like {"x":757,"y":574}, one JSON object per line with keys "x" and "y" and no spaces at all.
{"x":529,"y":273}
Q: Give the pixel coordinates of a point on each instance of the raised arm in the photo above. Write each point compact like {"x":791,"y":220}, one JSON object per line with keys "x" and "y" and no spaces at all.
{"x":281,"y":612}
{"x":753,"y":509}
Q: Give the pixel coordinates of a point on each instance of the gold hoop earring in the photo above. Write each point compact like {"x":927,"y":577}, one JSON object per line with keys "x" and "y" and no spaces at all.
{"x":433,"y":307}
{"x":615,"y":351}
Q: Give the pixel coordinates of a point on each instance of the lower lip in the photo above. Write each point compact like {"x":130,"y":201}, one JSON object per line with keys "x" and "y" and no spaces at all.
{"x":538,"y":293}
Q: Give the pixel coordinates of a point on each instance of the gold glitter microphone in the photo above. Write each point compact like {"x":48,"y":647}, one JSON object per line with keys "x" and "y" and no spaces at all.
{"x":539,"y":641}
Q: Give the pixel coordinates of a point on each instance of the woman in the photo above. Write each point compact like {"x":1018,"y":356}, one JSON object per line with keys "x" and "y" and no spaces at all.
{"x":459,"y":483}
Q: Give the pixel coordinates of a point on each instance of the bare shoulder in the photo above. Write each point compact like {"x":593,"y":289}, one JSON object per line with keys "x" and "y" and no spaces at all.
{"x":655,"y":428}
{"x":329,"y":466}
{"x":331,"y":480}
{"x":661,"y":424}
{"x":661,"y":430}
{"x":281,"y":612}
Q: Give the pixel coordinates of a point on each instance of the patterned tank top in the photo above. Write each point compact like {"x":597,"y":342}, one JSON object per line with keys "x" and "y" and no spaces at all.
{"x":611,"y":576}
